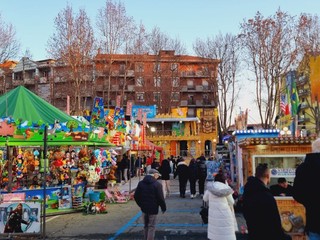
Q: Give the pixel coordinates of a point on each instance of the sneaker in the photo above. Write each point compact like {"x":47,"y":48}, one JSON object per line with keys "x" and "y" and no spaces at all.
{"x":192,"y":196}
{"x":201,"y":195}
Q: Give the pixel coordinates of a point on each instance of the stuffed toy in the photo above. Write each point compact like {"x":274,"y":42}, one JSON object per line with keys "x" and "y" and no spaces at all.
{"x":58,"y":158}
{"x":111,"y":176}
{"x":29,"y":161}
{"x":93,"y":176}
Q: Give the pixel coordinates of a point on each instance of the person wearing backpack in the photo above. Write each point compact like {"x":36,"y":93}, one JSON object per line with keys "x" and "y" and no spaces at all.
{"x":202,"y":173}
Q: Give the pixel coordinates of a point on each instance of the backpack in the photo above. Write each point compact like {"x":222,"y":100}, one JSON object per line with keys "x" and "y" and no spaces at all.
{"x":204,"y":212}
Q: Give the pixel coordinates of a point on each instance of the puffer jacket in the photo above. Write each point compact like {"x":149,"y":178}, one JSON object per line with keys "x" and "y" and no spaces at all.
{"x":149,"y":195}
{"x":305,"y":192}
{"x":222,"y":222}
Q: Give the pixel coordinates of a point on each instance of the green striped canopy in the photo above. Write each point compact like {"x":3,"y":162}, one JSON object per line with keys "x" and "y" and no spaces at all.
{"x":21,"y":103}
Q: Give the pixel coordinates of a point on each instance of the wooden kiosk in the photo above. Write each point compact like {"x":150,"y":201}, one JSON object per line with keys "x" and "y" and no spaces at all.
{"x":283,"y":155}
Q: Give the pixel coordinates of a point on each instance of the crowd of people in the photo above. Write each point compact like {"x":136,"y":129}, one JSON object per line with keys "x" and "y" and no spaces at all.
{"x":260,"y":208}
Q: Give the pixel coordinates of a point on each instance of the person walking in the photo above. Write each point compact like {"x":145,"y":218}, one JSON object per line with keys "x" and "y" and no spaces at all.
{"x":193,"y":176}
{"x":137,"y":166}
{"x":202,"y":173}
{"x":222,"y":223}
{"x":165,"y":171}
{"x":304,"y":191}
{"x":260,"y":208}
{"x":149,"y":197}
{"x":183,"y":173}
{"x":124,"y":167}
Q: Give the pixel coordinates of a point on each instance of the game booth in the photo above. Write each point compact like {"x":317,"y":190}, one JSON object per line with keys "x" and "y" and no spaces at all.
{"x":282,"y":154}
{"x":47,"y":156}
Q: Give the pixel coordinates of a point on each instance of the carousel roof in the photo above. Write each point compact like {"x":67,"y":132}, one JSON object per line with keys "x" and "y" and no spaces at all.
{"x":21,"y":103}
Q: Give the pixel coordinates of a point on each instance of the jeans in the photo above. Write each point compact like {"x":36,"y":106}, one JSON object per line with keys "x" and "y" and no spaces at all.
{"x":149,"y":225}
{"x":313,"y":236}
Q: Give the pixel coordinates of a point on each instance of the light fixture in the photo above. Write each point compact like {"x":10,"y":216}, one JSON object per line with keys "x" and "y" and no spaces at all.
{"x":162,"y":122}
{"x":180,"y":122}
{"x":214,"y":140}
{"x":153,"y":129}
{"x":199,"y":141}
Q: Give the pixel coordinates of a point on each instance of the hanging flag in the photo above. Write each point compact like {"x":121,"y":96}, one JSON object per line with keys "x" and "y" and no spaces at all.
{"x":284,"y":106}
{"x":294,"y":99}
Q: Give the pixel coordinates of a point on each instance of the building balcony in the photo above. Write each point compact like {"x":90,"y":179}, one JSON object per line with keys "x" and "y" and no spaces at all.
{"x":169,"y":135}
{"x":303,"y":92}
{"x":302,"y":80}
{"x":303,"y":119}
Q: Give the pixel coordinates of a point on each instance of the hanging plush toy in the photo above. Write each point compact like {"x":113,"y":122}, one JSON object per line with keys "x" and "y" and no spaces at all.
{"x":93,"y":176}
{"x":36,"y":159}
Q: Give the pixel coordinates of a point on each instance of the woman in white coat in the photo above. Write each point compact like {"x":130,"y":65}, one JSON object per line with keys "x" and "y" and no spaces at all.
{"x":222,"y":223}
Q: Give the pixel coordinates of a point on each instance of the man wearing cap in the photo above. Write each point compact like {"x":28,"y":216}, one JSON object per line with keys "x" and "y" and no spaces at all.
{"x":282,"y":188}
{"x":149,"y":196}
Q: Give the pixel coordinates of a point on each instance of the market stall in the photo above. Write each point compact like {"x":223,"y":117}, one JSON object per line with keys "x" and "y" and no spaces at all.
{"x":282,"y":154}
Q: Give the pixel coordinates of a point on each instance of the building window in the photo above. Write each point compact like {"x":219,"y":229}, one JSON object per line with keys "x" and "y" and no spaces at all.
{"x":190,"y":84}
{"x":175,"y":96}
{"x":122,"y":68}
{"x":205,"y":85}
{"x":139,"y":82}
{"x":175,"y":81}
{"x":139,"y":67}
{"x":156,"y":96}
{"x":156,"y":67}
{"x":174,"y":67}
{"x":157,"y":81}
{"x":140,"y":96}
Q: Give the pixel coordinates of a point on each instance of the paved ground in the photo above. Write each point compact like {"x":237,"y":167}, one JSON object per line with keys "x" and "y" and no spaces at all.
{"x":123,"y":221}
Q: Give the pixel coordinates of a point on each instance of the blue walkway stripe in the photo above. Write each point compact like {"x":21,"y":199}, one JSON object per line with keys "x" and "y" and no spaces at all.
{"x":127,"y":225}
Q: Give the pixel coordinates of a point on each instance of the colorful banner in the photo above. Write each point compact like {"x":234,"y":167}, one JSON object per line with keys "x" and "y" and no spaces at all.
{"x":97,"y":114}
{"x":150,"y":110}
{"x":315,"y":78}
{"x":129,"y":108}
{"x":30,"y":217}
{"x":118,"y":101}
{"x":292,"y":214}
{"x":179,"y":112}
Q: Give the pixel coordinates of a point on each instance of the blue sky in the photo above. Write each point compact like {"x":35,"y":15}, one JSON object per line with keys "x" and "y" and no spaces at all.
{"x":185,"y":19}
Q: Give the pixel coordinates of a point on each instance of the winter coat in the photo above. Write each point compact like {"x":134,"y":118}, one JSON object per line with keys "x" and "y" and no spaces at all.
{"x":193,"y":170}
{"x":182,"y":171}
{"x":222,"y":222}
{"x":149,"y":195}
{"x":305,"y":190}
{"x":261,"y":212}
{"x":165,"y":170}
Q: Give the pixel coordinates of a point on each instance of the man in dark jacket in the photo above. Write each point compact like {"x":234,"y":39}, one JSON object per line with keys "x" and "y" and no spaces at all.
{"x":202,"y":173}
{"x":149,"y":196}
{"x":183,"y":173}
{"x":260,"y":208}
{"x":304,"y":190}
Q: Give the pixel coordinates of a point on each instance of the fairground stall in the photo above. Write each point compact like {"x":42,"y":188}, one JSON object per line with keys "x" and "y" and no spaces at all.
{"x":282,"y":154}
{"x":47,"y":156}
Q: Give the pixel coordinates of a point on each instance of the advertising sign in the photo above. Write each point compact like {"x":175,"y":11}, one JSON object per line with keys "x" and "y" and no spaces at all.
{"x":283,"y":172}
{"x":20,"y":217}
{"x":293,"y":215}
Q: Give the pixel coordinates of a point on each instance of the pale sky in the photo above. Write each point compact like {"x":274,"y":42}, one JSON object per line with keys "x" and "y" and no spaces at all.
{"x":185,"y":19}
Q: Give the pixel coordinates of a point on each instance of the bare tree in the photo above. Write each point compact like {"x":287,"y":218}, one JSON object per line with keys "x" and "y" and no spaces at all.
{"x":271,"y":50}
{"x":158,"y":40}
{"x":115,"y":28}
{"x":226,"y":49}
{"x":9,"y":46}
{"x":72,"y":45}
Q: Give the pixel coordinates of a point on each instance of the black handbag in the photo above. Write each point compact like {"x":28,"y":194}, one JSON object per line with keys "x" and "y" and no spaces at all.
{"x":204,"y":212}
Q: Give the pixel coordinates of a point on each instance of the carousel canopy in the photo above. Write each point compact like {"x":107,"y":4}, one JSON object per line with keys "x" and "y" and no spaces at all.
{"x":21,"y":103}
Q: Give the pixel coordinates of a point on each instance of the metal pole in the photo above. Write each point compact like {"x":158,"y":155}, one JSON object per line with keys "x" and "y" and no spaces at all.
{"x":130,"y":167}
{"x":44,"y":183}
